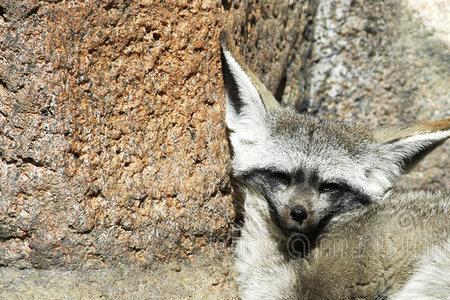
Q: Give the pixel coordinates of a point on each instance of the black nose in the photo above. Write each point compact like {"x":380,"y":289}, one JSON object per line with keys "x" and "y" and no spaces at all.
{"x":299,"y":214}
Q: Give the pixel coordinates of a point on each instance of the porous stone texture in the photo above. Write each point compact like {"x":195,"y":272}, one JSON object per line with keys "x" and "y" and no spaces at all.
{"x":113,"y":149}
{"x":112,"y":142}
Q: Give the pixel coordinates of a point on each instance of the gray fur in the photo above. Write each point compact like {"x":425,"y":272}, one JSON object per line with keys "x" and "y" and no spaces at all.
{"x":341,"y":176}
{"x":371,"y":253}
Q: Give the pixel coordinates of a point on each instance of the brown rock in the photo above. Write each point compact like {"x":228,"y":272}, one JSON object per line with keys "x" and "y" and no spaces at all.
{"x":112,"y":142}
{"x":113,"y":147}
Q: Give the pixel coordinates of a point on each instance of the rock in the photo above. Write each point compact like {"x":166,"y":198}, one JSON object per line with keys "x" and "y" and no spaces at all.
{"x":113,"y":148}
{"x":380,"y":62}
{"x":112,"y":142}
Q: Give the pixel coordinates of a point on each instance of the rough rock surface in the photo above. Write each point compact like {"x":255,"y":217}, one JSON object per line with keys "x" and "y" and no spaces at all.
{"x":201,"y":279}
{"x":112,"y":146}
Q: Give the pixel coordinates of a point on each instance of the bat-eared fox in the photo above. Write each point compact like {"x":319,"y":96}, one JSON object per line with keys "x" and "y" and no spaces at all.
{"x":321,"y":219}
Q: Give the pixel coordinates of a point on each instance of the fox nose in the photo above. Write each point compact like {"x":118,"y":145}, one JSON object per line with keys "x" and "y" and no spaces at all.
{"x":298,"y":214}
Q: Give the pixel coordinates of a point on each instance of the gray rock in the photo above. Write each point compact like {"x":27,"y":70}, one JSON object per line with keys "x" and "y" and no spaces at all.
{"x":112,"y":143}
{"x":376,"y":62}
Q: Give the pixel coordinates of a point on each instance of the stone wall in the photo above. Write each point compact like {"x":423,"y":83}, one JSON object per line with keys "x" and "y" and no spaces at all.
{"x":381,"y":62}
{"x":112,"y":142}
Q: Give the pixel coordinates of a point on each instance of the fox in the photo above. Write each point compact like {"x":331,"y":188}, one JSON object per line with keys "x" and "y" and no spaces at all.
{"x":322,"y":218}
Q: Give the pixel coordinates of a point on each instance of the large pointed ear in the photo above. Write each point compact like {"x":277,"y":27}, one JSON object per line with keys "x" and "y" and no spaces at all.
{"x":402,"y":147}
{"x":248,"y":100}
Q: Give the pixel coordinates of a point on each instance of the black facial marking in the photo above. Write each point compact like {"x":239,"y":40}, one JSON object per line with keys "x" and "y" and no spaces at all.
{"x":347,"y":200}
{"x":298,"y":176}
{"x":281,"y":177}
{"x":340,"y":191}
{"x":313,"y":178}
{"x":266,"y":180}
{"x":334,"y":187}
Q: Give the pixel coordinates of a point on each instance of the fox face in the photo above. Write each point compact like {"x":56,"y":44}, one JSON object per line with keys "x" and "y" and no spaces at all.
{"x":308,"y":169}
{"x":312,"y":170}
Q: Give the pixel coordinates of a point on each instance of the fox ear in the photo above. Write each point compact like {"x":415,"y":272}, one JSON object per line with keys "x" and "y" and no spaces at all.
{"x":248,"y":100}
{"x":407,"y":145}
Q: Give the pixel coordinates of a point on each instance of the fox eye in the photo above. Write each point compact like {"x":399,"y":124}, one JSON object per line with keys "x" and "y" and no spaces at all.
{"x":331,"y":187}
{"x":281,"y":177}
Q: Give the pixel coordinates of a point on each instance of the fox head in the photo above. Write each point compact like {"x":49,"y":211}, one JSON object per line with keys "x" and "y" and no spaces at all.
{"x":311,"y":170}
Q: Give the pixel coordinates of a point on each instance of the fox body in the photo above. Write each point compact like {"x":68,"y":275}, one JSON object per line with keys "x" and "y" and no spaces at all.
{"x":397,"y":248}
{"x":321,"y":220}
